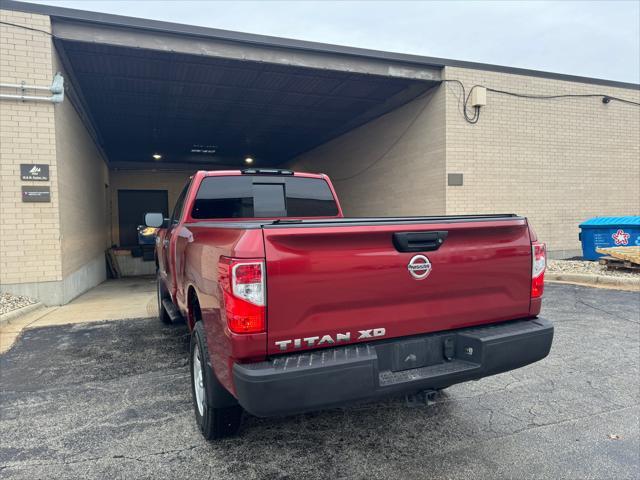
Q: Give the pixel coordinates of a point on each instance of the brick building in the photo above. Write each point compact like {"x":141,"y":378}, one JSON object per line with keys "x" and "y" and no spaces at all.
{"x":388,"y":128}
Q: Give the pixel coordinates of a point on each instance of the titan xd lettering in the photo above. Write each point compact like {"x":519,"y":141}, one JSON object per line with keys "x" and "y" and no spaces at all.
{"x":317,"y":341}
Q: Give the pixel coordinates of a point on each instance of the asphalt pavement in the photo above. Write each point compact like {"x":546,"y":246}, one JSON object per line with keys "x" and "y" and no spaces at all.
{"x":112,"y":400}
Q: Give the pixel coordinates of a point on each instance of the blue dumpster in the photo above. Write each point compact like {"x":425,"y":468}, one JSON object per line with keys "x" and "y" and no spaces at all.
{"x":604,"y":232}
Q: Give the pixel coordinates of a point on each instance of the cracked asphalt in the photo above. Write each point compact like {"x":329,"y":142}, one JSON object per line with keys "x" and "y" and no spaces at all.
{"x":111,"y":400}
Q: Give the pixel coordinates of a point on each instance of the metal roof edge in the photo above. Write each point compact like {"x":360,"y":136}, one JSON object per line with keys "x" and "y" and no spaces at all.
{"x":286,"y":43}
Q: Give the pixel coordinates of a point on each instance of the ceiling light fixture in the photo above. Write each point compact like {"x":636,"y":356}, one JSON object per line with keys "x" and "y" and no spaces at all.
{"x":156,"y":156}
{"x":248,"y":160}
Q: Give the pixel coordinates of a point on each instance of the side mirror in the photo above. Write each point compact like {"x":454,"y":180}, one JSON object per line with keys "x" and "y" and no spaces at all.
{"x":154,"y":220}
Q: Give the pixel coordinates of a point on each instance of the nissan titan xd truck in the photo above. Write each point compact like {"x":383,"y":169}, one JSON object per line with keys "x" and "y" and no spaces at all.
{"x":292,"y":307}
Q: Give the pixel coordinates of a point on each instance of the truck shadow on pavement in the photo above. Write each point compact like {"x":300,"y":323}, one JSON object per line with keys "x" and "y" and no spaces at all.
{"x":113,"y":400}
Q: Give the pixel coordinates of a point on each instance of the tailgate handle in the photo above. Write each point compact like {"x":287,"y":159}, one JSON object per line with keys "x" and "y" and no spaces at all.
{"x":418,"y":241}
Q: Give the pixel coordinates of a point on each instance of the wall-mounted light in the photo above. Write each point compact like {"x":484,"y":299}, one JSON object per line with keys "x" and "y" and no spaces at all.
{"x":157,"y":156}
{"x":248,"y":160}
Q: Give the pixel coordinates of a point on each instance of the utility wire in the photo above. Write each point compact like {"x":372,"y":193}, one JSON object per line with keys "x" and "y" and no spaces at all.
{"x":472,"y":119}
{"x":605,"y":98}
{"x":26,"y":28}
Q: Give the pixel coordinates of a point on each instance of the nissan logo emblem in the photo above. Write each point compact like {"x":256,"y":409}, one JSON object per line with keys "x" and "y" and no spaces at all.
{"x":419,"y":267}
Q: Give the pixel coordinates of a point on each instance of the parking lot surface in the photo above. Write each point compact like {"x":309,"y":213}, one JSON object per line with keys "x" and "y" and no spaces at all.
{"x":112,"y":400}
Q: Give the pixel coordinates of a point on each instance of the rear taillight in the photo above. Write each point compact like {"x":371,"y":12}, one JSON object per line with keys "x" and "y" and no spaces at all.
{"x":539,"y":264}
{"x":243,"y":294}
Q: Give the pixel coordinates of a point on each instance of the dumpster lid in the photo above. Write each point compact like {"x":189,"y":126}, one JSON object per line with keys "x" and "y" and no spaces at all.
{"x":629,"y":220}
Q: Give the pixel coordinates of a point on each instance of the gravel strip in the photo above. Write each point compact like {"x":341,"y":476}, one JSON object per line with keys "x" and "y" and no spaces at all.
{"x":585,"y":266}
{"x":9,"y":302}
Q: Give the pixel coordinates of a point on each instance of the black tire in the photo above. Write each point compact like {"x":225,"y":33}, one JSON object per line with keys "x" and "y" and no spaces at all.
{"x":161,"y":295}
{"x":221,"y":415}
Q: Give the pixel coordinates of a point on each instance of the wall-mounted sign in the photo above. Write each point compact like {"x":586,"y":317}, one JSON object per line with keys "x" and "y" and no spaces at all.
{"x":36,"y":194}
{"x":34,"y":171}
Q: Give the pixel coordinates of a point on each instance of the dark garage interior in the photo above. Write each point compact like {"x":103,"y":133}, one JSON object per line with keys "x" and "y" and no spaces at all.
{"x":157,"y":115}
{"x":215,"y":112}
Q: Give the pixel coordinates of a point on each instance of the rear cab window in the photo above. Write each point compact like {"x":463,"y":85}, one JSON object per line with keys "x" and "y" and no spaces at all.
{"x":263,"y":196}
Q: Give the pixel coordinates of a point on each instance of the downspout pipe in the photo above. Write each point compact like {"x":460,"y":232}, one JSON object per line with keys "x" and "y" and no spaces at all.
{"x":56,"y":88}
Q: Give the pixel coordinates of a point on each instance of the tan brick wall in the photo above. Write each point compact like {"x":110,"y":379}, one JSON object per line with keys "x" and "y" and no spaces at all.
{"x":83,"y":177}
{"x":558,"y":162}
{"x":393,"y":165}
{"x":171,"y":181}
{"x":29,"y":232}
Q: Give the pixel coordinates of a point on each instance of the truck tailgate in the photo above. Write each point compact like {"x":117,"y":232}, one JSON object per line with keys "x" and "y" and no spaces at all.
{"x":339,"y":278}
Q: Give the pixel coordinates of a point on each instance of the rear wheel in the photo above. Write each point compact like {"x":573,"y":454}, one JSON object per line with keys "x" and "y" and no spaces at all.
{"x":160,"y":293}
{"x":217,"y":414}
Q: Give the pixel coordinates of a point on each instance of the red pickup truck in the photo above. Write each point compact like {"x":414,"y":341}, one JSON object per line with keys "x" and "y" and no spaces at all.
{"x":292,"y":307}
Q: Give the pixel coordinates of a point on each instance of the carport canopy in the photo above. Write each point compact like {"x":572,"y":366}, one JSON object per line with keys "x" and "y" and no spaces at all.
{"x":203,"y":96}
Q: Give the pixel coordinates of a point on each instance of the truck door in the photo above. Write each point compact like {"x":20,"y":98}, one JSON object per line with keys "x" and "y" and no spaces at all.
{"x":168,"y":247}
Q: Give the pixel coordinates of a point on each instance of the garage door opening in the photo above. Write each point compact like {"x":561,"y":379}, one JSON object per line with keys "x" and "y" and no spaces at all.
{"x":163,"y":101}
{"x":161,"y":116}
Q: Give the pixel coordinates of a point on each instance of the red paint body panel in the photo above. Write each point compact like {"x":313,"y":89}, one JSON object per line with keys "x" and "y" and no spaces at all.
{"x":201,"y":273}
{"x":332,"y":280}
{"x":340,"y":277}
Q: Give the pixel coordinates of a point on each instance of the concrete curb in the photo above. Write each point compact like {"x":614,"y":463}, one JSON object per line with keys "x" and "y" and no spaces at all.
{"x":596,"y":280}
{"x":6,"y":318}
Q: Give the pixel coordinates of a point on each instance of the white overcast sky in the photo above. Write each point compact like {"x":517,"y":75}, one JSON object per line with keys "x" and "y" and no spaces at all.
{"x":594,"y":39}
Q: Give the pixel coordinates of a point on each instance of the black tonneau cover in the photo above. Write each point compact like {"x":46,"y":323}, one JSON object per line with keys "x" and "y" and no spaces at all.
{"x":360,"y":221}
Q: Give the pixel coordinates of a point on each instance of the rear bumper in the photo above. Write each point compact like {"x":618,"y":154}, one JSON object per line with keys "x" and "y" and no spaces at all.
{"x":319,"y":379}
